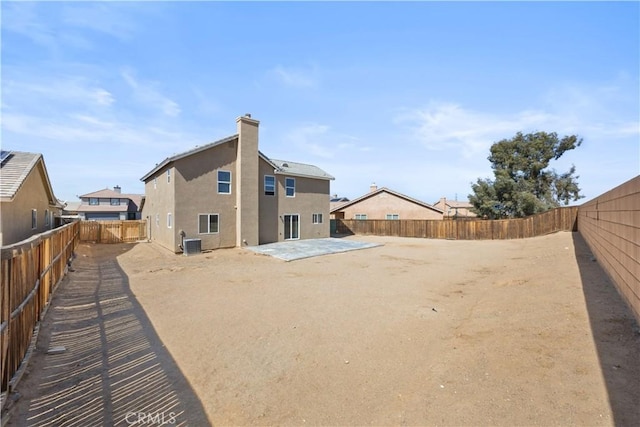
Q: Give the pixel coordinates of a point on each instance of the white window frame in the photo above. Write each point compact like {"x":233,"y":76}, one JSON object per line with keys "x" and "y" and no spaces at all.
{"x":168,"y":176}
{"x":266,"y":193}
{"x":209,"y":215}
{"x":92,"y":200}
{"x":155,"y":183}
{"x":224,"y":182}
{"x":169,"y":220}
{"x":287,"y":187}
{"x":47,"y":220}
{"x":360,"y":216}
{"x":114,"y":202}
{"x":34,"y":219}
{"x":317,"y":218}
{"x":157,"y":220}
{"x":392,"y":216}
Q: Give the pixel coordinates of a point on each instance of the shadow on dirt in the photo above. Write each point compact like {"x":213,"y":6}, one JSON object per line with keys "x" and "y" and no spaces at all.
{"x":114,"y":369}
{"x":616,"y":336}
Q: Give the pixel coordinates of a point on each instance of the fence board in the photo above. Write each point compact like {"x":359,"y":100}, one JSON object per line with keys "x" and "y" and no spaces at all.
{"x":559,"y":219}
{"x":113,"y":231}
{"x":30,"y":271}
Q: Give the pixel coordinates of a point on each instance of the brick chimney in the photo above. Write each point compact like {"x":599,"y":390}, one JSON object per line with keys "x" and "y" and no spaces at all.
{"x":373,"y":187}
{"x":247,"y":182}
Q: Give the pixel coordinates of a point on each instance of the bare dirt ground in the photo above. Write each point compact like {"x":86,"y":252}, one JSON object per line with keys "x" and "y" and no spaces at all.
{"x":414,"y":332}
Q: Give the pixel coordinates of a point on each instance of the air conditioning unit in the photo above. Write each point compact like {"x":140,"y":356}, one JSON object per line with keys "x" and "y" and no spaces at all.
{"x":192,"y":246}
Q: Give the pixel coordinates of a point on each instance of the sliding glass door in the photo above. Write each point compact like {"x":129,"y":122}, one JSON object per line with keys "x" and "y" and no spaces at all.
{"x":291,"y":227}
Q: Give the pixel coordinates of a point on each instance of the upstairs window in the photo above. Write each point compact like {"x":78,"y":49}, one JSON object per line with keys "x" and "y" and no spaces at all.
{"x":317,"y":218}
{"x":224,"y":182}
{"x":269,"y":185}
{"x":168,"y":176}
{"x":94,"y":201}
{"x":168,"y":220}
{"x":47,"y":220}
{"x":290,"y":187}
{"x":34,"y":218}
{"x":115,"y":202}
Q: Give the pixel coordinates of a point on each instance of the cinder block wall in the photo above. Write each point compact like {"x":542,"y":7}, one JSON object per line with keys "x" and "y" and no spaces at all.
{"x":610,"y":224}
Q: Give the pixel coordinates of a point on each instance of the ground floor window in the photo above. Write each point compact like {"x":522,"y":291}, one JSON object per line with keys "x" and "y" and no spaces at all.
{"x":360,"y":216}
{"x":393,"y":216}
{"x":317,"y":218}
{"x":208,"y":223}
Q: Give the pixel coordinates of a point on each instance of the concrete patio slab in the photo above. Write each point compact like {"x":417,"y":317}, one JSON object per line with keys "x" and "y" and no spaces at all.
{"x":299,"y":249}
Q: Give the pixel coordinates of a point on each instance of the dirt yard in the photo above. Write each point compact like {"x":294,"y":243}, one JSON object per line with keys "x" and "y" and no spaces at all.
{"x":414,"y":332}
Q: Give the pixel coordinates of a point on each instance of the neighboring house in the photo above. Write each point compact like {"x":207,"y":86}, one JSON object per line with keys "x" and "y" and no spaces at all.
{"x":27,"y":201}
{"x":336,"y":201}
{"x":455,"y":209}
{"x":229,"y":194}
{"x":383,"y":203}
{"x":108,"y":205}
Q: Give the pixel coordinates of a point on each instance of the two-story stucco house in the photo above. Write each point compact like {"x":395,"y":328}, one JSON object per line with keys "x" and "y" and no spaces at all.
{"x":108,"y":205}
{"x":27,"y":203}
{"x":229,"y":194}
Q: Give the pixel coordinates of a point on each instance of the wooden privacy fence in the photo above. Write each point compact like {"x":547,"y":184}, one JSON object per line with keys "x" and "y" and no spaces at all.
{"x":30,"y":271}
{"x":113,"y":231}
{"x":559,"y":219}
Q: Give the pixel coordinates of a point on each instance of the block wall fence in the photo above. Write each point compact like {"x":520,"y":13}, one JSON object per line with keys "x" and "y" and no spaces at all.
{"x":610,"y":225}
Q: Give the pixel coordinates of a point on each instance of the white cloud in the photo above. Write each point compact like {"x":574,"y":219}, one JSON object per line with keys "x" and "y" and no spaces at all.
{"x":107,"y":18}
{"x":296,"y":77}
{"x":445,"y":126}
{"x":149,"y":96}
{"x":74,"y":91}
{"x":312,"y":138}
{"x":570,"y":110}
{"x":322,"y":141}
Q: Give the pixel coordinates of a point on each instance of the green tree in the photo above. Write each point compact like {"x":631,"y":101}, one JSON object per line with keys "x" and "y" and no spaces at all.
{"x":523,"y":184}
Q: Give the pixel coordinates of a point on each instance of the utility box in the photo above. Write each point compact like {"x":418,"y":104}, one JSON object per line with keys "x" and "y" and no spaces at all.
{"x":192,"y":246}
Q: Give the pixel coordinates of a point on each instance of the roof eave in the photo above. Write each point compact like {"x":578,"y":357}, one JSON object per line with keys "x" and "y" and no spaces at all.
{"x":187,"y":153}
{"x":283,"y":172}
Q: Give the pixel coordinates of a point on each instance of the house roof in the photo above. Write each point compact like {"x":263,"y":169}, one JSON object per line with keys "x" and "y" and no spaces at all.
{"x":135,"y":201}
{"x":385,"y":190}
{"x":72,"y":206}
{"x":338,"y":199}
{"x":103,"y":208}
{"x":283,"y":167}
{"x":14,"y":170}
{"x":455,"y":204}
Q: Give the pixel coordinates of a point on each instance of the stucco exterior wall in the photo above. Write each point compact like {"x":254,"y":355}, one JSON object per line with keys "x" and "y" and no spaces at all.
{"x":379,"y":205}
{"x":268,"y":207}
{"x":196,"y":189}
{"x":16,"y":215}
{"x":311,"y":197}
{"x":610,"y":224}
{"x":159,"y":202}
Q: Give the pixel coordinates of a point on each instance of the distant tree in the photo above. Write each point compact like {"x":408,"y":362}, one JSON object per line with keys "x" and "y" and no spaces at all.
{"x":523,"y":185}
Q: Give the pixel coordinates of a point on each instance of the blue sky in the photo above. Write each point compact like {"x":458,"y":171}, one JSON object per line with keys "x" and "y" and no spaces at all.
{"x":407,"y":95}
